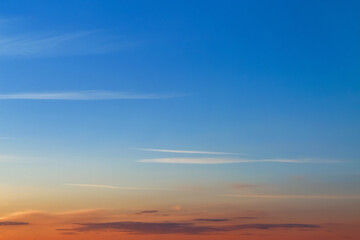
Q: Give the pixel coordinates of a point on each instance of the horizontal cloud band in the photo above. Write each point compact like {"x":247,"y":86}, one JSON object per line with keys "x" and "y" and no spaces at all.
{"x":185,"y":151}
{"x":223,"y":160}
{"x":82,"y":95}
{"x":294,"y":196}
{"x":100,"y":186}
{"x":176,"y":227}
{"x":13,"y":223}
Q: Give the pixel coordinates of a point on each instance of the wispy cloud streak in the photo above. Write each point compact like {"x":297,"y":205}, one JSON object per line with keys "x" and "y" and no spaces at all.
{"x":13,"y":223}
{"x":294,"y":196}
{"x":113,"y":187}
{"x":211,"y":219}
{"x":147,"y":212}
{"x":4,"y":158}
{"x":101,"y":186}
{"x":178,"y":227}
{"x":61,"y":44}
{"x":223,"y":160}
{"x":5,"y":138}
{"x":81,"y":95}
{"x":3,"y":20}
{"x":185,"y":151}
{"x":35,"y":45}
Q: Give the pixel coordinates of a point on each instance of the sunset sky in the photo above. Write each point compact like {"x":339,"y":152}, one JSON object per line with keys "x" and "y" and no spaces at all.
{"x":184,"y":120}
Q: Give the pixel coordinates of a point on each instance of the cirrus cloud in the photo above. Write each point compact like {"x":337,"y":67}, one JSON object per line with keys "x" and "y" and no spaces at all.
{"x":13,"y":223}
{"x":294,"y":196}
{"x":100,"y":186}
{"x":186,"y":151}
{"x":82,"y":95}
{"x":177,"y":227}
{"x":226,"y":160}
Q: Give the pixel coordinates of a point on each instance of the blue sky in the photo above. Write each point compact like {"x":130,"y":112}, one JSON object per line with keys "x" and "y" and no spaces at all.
{"x":214,"y":76}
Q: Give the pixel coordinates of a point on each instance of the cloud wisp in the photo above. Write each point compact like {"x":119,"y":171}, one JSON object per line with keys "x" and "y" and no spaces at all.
{"x":211,"y":219}
{"x":100,"y":186}
{"x":40,"y":217}
{"x":177,"y":227}
{"x":97,"y":220}
{"x":223,"y":160}
{"x":4,"y":158}
{"x":35,"y":44}
{"x":82,"y":95}
{"x":186,"y":151}
{"x":4,"y":20}
{"x":243,"y":186}
{"x":13,"y":223}
{"x":5,"y":138}
{"x":147,"y":212}
{"x":61,"y":44}
{"x":334,"y":197}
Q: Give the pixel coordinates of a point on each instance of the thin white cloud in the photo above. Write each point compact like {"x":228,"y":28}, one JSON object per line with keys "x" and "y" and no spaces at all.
{"x":3,"y":20}
{"x":82,"y":95}
{"x":222,"y":160}
{"x":4,"y":138}
{"x":101,"y":186}
{"x":37,"y":45}
{"x":5,"y":158}
{"x":294,"y":196}
{"x":186,"y":151}
{"x":19,"y":43}
{"x":114,"y":187}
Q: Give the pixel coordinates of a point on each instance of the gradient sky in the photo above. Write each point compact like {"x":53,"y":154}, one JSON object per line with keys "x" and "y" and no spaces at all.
{"x":182,"y":119}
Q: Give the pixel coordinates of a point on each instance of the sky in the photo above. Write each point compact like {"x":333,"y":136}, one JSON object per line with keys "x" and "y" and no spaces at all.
{"x":179,"y":119}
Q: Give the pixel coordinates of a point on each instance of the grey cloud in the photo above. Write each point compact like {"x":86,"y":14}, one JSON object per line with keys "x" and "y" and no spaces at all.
{"x":177,"y":227}
{"x":211,"y":219}
{"x":148,"y":212}
{"x":13,"y":223}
